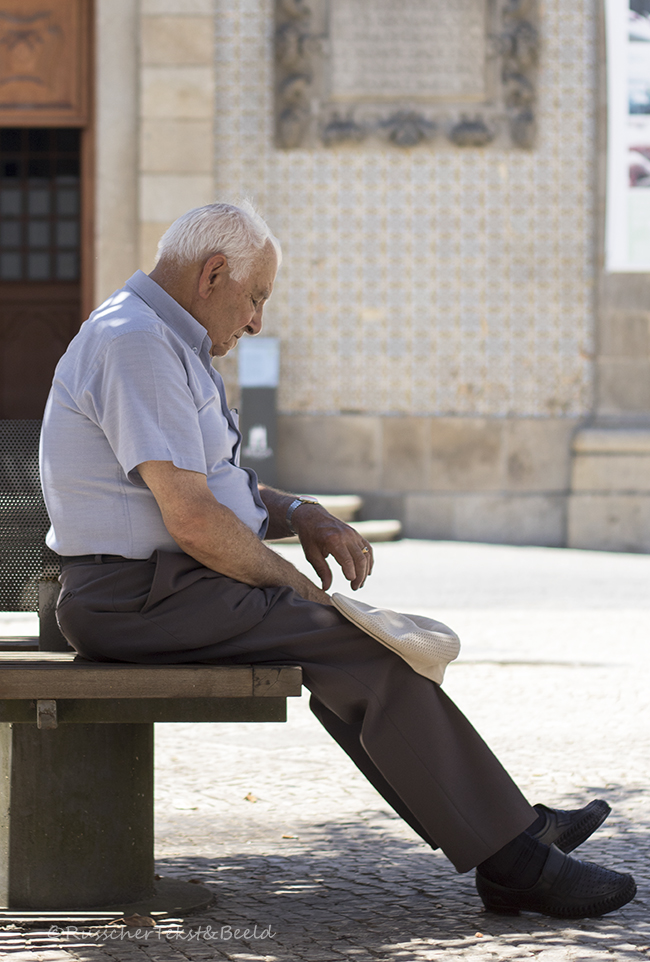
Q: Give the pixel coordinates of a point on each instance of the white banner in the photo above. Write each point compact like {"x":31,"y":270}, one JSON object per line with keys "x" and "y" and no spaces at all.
{"x":628,"y":149}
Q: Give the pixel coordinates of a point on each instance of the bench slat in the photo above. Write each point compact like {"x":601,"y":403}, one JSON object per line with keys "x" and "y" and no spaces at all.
{"x":60,"y":677}
{"x":133,"y":711}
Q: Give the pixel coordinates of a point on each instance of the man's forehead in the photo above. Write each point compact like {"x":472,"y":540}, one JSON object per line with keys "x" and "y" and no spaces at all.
{"x":266,"y":268}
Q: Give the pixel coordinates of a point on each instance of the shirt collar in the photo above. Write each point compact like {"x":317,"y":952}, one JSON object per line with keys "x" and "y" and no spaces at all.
{"x":170,"y":311}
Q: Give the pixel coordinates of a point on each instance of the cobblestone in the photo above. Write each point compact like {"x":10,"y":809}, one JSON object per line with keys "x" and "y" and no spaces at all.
{"x":555,"y":673}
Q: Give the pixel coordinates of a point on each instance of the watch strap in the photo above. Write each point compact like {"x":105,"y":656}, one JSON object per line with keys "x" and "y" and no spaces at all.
{"x":296,"y":504}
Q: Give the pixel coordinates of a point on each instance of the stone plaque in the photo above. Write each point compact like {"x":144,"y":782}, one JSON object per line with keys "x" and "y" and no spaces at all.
{"x":447,"y":73}
{"x":418,"y":49}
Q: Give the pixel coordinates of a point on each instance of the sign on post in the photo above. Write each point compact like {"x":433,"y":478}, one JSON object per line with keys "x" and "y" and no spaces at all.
{"x":259,"y":374}
{"x":628,"y":141}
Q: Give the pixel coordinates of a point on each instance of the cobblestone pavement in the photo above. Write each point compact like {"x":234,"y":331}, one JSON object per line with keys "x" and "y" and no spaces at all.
{"x":554,"y":672}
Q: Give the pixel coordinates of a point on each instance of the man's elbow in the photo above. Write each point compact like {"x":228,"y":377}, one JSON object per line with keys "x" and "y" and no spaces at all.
{"x":190,"y":526}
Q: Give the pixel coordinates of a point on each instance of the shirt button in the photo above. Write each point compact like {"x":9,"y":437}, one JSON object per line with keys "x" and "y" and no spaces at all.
{"x":196,"y":350}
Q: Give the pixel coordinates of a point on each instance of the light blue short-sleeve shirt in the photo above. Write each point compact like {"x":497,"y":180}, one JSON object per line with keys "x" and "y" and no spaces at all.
{"x":136,"y":384}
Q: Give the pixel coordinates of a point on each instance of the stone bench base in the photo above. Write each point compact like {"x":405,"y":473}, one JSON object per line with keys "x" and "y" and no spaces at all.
{"x":76,"y":794}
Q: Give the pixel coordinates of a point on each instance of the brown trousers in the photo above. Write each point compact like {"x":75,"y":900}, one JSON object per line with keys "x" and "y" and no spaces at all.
{"x":401,"y":730}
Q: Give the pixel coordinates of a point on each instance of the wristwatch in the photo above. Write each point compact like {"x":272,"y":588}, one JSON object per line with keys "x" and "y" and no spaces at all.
{"x":296,"y":504}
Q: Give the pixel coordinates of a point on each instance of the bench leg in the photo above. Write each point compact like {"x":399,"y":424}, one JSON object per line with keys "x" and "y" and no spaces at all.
{"x":76,"y":815}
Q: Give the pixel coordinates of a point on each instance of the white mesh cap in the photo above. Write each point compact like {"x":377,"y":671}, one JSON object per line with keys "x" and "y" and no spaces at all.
{"x":426,"y":645}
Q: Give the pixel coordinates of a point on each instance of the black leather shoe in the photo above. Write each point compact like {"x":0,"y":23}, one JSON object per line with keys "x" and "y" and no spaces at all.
{"x":567,"y":830}
{"x":566,"y":889}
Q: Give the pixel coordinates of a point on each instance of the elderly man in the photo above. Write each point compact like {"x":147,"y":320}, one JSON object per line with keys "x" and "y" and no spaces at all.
{"x":163,"y":562}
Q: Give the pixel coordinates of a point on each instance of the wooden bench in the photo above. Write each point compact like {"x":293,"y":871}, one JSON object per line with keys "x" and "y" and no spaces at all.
{"x":76,"y":737}
{"x":76,"y":795}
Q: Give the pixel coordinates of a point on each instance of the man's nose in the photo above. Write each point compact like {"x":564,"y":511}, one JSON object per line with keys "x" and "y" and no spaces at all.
{"x":255,"y":325}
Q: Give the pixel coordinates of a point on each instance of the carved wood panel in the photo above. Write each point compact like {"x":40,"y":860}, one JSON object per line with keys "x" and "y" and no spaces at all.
{"x":44,"y":62}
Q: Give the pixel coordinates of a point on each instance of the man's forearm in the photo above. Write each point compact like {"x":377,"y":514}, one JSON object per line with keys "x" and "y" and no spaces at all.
{"x":210,"y":532}
{"x":277,"y":504}
{"x":227,"y":545}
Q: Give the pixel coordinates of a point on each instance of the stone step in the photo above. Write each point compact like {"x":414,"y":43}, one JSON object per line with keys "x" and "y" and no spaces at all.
{"x":380,"y":530}
{"x":342,"y":506}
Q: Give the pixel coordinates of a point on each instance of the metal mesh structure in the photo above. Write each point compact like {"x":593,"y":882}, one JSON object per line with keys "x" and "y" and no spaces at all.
{"x":24,"y":557}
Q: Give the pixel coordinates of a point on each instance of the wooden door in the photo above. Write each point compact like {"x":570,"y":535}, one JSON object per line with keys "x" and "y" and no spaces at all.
{"x":45,"y":193}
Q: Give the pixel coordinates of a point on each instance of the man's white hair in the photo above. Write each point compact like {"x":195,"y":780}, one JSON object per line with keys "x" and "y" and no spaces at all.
{"x":239,"y":233}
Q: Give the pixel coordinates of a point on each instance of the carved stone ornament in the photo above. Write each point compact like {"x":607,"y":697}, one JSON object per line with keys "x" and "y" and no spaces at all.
{"x":407,"y":74}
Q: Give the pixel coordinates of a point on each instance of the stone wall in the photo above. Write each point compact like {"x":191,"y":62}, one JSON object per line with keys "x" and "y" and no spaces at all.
{"x":449,"y":335}
{"x":435,"y":307}
{"x":424,"y":281}
{"x":469,"y":479}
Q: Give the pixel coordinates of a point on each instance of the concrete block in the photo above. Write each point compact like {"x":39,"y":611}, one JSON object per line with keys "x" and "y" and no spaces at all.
{"x":477,"y":454}
{"x":628,"y":292}
{"x":329,"y":454}
{"x":625,"y":334}
{"x":382,"y":505}
{"x":176,"y":146}
{"x":609,"y":522}
{"x":164,"y":197}
{"x":538,"y":453}
{"x":618,"y":440}
{"x":429,"y":516}
{"x":405,"y":453}
{"x":611,"y":473}
{"x":623,"y":386}
{"x":512,"y":519}
{"x":466,"y":454}
{"x":186,"y":93}
{"x":177,"y":40}
{"x":490,"y":518}
{"x":179,"y":7}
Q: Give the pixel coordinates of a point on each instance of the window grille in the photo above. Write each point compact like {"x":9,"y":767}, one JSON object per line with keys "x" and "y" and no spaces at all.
{"x":39,"y":204}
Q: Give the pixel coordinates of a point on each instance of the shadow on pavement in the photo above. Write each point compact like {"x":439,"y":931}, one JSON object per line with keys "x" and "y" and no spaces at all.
{"x":358,"y":890}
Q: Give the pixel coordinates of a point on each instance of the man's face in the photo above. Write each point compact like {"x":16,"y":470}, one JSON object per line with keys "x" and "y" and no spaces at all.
{"x":233,"y":308}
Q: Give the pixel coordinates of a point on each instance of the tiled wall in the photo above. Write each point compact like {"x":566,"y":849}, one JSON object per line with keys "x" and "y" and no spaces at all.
{"x":416,"y":281}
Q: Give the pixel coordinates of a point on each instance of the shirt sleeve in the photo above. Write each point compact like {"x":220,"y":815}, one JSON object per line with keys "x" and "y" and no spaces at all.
{"x":139,"y":395}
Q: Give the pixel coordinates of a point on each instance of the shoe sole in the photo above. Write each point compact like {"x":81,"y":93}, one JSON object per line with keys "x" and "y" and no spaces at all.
{"x":508,"y":903}
{"x":595,"y":814}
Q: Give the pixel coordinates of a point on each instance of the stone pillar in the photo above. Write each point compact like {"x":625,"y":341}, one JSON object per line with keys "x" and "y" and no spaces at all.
{"x":116,"y":149}
{"x":76,"y":815}
{"x":176,"y":115}
{"x":609,"y":503}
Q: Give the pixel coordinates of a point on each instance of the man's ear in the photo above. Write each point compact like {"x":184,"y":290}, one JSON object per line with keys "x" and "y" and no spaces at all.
{"x":214,"y":271}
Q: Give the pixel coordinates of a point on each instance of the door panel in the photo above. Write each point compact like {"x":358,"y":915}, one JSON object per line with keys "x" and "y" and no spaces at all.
{"x":39,"y":261}
{"x":37,"y":322}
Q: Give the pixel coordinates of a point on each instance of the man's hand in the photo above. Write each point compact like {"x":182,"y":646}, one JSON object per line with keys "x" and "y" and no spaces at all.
{"x":321,"y":535}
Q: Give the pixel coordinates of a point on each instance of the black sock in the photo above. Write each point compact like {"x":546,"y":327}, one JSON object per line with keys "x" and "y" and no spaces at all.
{"x":519,"y":863}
